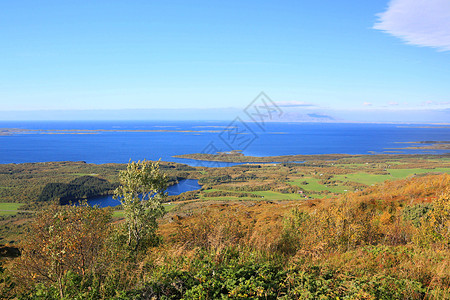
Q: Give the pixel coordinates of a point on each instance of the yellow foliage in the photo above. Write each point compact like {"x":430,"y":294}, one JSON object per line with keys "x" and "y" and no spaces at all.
{"x":386,"y":218}
{"x":62,"y":239}
{"x":435,"y":230}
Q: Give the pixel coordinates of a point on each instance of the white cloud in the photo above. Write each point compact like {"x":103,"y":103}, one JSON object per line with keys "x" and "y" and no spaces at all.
{"x":418,"y":22}
{"x":293,"y":104}
{"x":393,"y":103}
{"x":435,"y":103}
{"x":367,"y":104}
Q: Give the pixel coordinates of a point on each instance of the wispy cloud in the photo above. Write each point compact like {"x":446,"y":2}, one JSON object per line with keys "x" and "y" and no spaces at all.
{"x":367,"y":104}
{"x":436,"y":103}
{"x":293,"y":104}
{"x":418,"y":22}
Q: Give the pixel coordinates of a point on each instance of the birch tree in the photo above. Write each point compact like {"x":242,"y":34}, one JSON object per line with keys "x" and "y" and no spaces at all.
{"x":141,"y":191}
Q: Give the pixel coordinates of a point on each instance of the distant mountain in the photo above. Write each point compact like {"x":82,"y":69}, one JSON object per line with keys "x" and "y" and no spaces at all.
{"x":289,"y":114}
{"x":304,"y":117}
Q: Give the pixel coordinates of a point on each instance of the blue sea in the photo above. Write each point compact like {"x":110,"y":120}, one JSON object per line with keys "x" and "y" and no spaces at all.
{"x":123,"y":141}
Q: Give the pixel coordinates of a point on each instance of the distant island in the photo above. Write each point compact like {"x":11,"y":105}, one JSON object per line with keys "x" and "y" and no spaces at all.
{"x":429,"y":145}
{"x":238,"y":157}
{"x":12,"y":131}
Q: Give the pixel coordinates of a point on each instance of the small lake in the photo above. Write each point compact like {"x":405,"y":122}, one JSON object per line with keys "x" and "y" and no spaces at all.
{"x":184,"y":185}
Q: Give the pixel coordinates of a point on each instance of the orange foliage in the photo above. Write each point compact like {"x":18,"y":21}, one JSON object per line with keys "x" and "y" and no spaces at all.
{"x":352,"y":220}
{"x":412,"y":190}
{"x":62,"y":239}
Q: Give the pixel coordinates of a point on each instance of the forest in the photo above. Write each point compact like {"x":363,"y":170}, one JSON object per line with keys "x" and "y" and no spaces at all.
{"x":80,"y":188}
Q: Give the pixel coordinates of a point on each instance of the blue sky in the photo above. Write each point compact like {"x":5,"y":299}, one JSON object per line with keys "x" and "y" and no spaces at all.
{"x":367,"y":57}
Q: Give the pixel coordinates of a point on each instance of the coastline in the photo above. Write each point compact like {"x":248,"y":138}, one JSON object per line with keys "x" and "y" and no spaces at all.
{"x":240,"y":158}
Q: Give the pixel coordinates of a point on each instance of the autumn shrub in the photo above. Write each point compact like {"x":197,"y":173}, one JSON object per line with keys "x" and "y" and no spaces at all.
{"x":213,"y":231}
{"x":337,"y":226}
{"x":6,"y":283}
{"x":62,"y":240}
{"x":295,"y":230}
{"x":435,"y":229}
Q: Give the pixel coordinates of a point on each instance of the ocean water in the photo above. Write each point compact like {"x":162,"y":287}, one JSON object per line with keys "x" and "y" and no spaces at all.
{"x":124,"y":141}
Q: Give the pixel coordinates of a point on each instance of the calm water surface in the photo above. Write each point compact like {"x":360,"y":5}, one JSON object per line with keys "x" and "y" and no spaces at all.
{"x":184,"y":185}
{"x":274,"y":139}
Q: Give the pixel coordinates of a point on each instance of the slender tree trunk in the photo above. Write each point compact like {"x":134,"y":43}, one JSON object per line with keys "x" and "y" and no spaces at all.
{"x":61,"y":289}
{"x":129,"y":236}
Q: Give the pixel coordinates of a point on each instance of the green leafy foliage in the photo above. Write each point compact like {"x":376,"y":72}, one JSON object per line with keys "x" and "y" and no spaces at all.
{"x":247,"y":276}
{"x":416,"y":212}
{"x":141,"y":191}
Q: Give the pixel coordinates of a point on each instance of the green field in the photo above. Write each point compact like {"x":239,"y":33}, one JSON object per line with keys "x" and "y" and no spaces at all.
{"x":211,"y":190}
{"x":314,"y":185}
{"x":228,"y":198}
{"x":9,"y":208}
{"x":270,"y":195}
{"x":401,"y":173}
{"x":84,"y":174}
{"x":363,"y":178}
{"x":263,"y":195}
{"x":370,"y":179}
{"x":169,"y":206}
